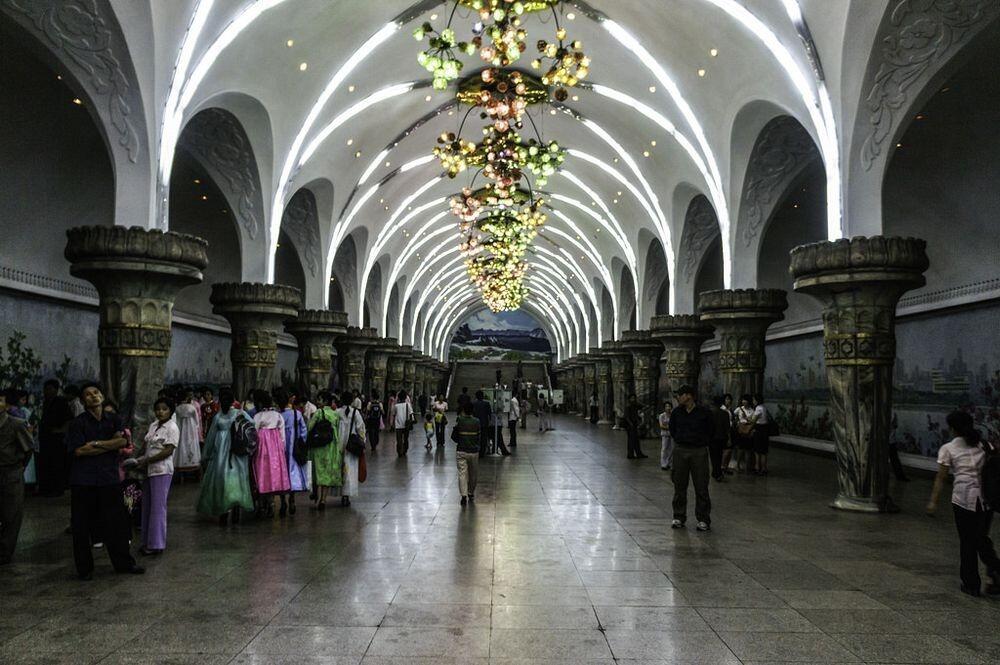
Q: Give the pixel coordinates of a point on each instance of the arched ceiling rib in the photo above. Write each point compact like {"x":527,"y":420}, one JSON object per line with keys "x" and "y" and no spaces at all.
{"x":212,"y":45}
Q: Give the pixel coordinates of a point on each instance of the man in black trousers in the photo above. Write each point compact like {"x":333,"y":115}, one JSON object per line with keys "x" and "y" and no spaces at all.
{"x":691,"y":427}
{"x":632,"y":420}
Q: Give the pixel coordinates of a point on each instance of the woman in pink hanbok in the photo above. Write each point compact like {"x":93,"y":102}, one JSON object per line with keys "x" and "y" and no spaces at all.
{"x":270,"y":465}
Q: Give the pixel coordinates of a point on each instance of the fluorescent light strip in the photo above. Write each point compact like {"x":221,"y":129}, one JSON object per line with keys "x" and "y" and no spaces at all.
{"x":556,"y":296}
{"x":460,"y":285}
{"x":567,"y":259}
{"x":437,"y":279}
{"x":438,"y":317}
{"x":432,"y":258}
{"x":543,"y":271}
{"x":545,"y":256}
{"x":610,"y":223}
{"x":410,"y":250}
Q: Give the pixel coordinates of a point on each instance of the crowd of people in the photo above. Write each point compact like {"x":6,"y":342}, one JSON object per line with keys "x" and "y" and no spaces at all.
{"x":256,"y":455}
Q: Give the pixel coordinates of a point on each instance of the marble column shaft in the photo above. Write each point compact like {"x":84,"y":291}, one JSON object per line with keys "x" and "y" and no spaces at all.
{"x":410,"y":372}
{"x":395,"y":369}
{"x":138,"y":274}
{"x":742,"y":317}
{"x":646,"y":353}
{"x":860,"y":281}
{"x":352,"y":349}
{"x":377,"y":365}
{"x":622,"y":378}
{"x":681,"y":336}
{"x":256,"y":315}
{"x":588,"y":382}
{"x":315,"y":331}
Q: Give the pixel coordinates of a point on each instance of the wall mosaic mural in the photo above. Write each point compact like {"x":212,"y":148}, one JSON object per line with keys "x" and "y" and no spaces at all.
{"x":500,"y":336}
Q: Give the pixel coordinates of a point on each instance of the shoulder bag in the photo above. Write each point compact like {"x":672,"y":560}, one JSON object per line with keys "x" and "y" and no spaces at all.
{"x":355,"y":444}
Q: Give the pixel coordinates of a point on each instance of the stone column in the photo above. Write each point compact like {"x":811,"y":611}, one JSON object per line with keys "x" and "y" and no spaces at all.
{"x":352,"y":348}
{"x":137,"y":274}
{"x":681,"y":336}
{"x":256,"y":314}
{"x":377,"y":365}
{"x":315,"y":331}
{"x":622,"y":379}
{"x":646,"y":353}
{"x":588,"y":382}
{"x":410,"y":372}
{"x":602,"y":378}
{"x":859,"y":282}
{"x":395,"y":371}
{"x":742,"y":317}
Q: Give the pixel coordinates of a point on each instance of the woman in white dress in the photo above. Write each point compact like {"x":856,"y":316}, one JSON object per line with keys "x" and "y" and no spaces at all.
{"x":351,"y":420}
{"x":188,"y":417}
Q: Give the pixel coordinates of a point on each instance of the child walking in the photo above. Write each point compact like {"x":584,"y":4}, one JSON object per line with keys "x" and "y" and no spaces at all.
{"x":429,"y":430}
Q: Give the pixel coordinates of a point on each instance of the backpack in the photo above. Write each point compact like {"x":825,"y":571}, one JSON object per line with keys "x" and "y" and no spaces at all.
{"x":991,"y":477}
{"x":321,"y":434}
{"x":375,"y":412}
{"x":244,"y":437}
{"x":355,"y":444}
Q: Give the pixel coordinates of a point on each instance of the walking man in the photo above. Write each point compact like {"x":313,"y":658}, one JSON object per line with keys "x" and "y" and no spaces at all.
{"x":512,"y":418}
{"x":15,"y":451}
{"x":482,"y":410}
{"x":631,"y":420}
{"x":691,"y":427}
{"x":466,"y":435}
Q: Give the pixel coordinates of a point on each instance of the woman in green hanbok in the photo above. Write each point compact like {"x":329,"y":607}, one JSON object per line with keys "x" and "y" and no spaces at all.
{"x":225,"y":484}
{"x":327,"y":461}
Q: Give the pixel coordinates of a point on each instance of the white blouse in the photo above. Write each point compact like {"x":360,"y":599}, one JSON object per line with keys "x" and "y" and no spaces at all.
{"x":269,"y":419}
{"x":159,"y":437}
{"x":966,"y":465}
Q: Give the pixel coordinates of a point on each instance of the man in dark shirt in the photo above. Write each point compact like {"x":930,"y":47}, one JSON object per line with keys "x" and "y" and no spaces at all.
{"x":51,"y":463}
{"x":632,"y":419}
{"x":482,"y":410}
{"x":93,"y":439}
{"x":15,"y":451}
{"x":466,"y":435}
{"x":463,"y":399}
{"x":691,"y":427}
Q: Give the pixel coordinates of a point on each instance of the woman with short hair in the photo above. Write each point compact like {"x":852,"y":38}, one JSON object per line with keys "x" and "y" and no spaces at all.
{"x":157,"y":461}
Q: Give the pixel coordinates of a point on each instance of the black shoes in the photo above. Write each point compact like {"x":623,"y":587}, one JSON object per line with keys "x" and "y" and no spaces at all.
{"x":975,"y":593}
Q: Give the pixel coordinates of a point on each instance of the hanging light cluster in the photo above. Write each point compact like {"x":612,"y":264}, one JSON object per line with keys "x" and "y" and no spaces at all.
{"x":500,"y":219}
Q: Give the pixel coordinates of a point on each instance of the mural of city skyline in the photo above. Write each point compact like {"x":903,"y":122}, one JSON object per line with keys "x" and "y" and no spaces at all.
{"x":500,"y":336}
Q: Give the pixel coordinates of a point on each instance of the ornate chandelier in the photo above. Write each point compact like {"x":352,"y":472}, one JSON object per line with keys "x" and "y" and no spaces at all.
{"x":499,"y":220}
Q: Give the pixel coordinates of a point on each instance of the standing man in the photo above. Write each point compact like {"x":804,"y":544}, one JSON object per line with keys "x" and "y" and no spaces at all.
{"x":15,"y":452}
{"x":691,"y":427}
{"x":463,"y":399}
{"x":52,"y":461}
{"x":632,"y":419}
{"x":93,"y":439}
{"x":512,"y":418}
{"x":482,"y":410}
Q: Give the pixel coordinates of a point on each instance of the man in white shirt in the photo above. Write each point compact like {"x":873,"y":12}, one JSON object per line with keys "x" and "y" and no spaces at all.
{"x":402,"y":415}
{"x":512,"y":418}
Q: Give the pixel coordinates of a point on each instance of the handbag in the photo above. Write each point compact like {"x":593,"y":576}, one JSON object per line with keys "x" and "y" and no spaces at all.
{"x":355,"y":444}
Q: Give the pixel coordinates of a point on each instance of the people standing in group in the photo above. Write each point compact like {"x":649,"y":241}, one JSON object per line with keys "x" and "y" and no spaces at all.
{"x":325,"y":451}
{"x":225,"y":484}
{"x":721,"y":431}
{"x":745,"y":421}
{"x":513,"y":417}
{"x":94,"y":439}
{"x":52,"y":464}
{"x":965,"y":458}
{"x":188,"y":418}
{"x":468,"y":439}
{"x":402,"y":422}
{"x":632,"y":419}
{"x":666,"y":441}
{"x":15,"y":452}
{"x":374,"y":417}
{"x":691,"y":427}
{"x":270,"y":464}
{"x":157,"y":463}
{"x":727,"y":453}
{"x":440,"y":410}
{"x":352,"y":422}
{"x":761,"y":435}
{"x":295,"y":431}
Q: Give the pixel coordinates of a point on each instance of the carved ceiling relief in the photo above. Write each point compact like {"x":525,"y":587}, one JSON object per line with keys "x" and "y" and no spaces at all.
{"x":301,"y":223}
{"x":345,"y":270}
{"x":782,"y":150}
{"x":915,"y":40}
{"x":701,"y":227}
{"x":216,"y":137}
{"x":84,"y":35}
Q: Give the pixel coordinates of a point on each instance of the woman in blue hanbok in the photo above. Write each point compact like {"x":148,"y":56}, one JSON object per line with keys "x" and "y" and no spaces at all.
{"x":225,"y":484}
{"x":300,"y":476}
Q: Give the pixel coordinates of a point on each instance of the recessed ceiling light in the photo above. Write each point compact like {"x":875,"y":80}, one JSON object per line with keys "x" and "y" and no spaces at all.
{"x":713,"y":52}
{"x":204,"y":198}
{"x":552,"y":112}
{"x":290,"y":43}
{"x":59,"y":77}
{"x":357,"y":154}
{"x":571,"y":16}
{"x":388,"y":164}
{"x":615,"y":201}
{"x":303,"y":66}
{"x":434,"y":17}
{"x":619,"y":193}
{"x":350,"y":141}
{"x":78,"y":101}
{"x":701,"y":72}
{"x":427,"y":98}
{"x":197,"y":181}
{"x":576,"y":98}
{"x":652,"y":143}
{"x":645,"y":153}
{"x":381,"y":200}
{"x":350,"y":88}
{"x":652,"y":88}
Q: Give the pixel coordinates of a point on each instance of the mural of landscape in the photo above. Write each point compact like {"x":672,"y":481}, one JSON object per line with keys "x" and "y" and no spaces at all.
{"x":500,"y":336}
{"x":936,"y":372}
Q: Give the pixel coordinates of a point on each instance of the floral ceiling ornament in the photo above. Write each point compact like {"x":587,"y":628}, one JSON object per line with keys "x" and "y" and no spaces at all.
{"x":499,"y":220}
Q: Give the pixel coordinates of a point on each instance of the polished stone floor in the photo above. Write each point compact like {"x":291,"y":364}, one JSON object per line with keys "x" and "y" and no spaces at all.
{"x":567,"y":557}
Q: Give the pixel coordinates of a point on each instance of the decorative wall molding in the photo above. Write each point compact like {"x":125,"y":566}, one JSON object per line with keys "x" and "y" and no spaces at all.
{"x":301,"y":223}
{"x":701,"y":228}
{"x":783,"y":149}
{"x":85,"y":36}
{"x":915,"y":39}
{"x":216,"y":137}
